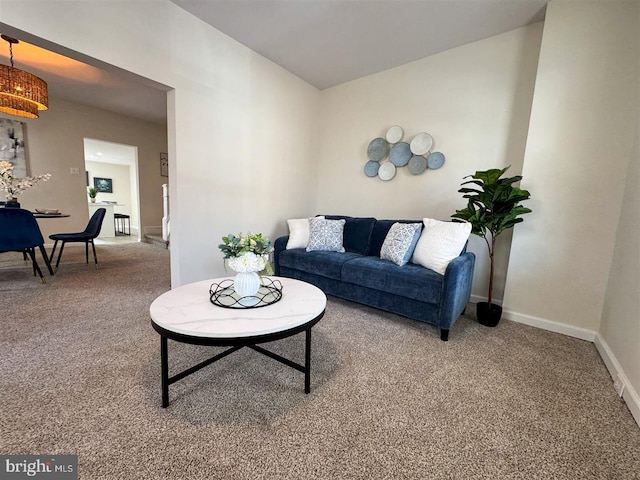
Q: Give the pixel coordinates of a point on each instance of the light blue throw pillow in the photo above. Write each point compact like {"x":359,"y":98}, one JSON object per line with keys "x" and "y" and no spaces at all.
{"x":326,"y":235}
{"x":400,"y":242}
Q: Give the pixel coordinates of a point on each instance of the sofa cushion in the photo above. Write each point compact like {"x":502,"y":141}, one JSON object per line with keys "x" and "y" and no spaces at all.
{"x":323,"y":263}
{"x":400,"y":241}
{"x":326,"y":235}
{"x":411,"y":281}
{"x":379,"y":233}
{"x":357,"y":233}
{"x":439,"y":243}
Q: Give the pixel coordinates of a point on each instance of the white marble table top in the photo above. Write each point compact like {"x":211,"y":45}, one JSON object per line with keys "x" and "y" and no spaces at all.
{"x":187,"y":310}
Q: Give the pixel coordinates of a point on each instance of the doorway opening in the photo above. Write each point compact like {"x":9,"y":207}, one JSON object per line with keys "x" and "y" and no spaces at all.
{"x":112,"y":168}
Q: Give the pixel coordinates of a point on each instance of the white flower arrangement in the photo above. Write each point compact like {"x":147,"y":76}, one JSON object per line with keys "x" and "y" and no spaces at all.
{"x":247,"y":252}
{"x":15,"y":186}
{"x":249,"y":262}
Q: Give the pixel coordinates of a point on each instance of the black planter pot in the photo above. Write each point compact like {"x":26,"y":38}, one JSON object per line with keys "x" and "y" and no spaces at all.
{"x":488,"y":317}
{"x":13,"y":203}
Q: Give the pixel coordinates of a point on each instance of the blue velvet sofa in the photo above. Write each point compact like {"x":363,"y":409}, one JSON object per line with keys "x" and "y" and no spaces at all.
{"x":360,"y":275}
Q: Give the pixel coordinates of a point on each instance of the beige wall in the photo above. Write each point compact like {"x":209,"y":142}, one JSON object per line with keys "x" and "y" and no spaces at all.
{"x":55,"y":144}
{"x":243,"y":130}
{"x":583,"y":123}
{"x":620,"y":327}
{"x":574,"y":263}
{"x":474,"y":100}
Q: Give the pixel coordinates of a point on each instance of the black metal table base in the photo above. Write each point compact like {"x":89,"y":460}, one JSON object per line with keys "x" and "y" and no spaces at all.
{"x":167,"y":380}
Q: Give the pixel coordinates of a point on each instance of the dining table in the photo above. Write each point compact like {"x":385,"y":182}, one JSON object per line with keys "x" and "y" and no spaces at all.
{"x":50,"y":215}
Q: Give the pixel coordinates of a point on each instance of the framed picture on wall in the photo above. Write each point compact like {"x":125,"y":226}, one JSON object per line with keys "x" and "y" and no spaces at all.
{"x":164,"y":165}
{"x":103,"y":185}
{"x":12,"y":148}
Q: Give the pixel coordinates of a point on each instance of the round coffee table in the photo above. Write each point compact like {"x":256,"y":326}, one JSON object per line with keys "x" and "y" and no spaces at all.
{"x":186,"y":314}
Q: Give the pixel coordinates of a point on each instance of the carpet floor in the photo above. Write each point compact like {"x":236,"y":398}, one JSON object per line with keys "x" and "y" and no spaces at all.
{"x":80,"y":374}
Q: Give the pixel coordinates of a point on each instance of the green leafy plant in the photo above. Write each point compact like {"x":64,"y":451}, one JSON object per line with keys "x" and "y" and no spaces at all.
{"x":236,"y":245}
{"x":493,"y":206}
{"x":93,"y":192}
{"x":247,"y":252}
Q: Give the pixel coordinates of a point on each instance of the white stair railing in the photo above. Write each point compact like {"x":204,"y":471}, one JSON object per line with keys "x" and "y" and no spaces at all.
{"x":165,"y":207}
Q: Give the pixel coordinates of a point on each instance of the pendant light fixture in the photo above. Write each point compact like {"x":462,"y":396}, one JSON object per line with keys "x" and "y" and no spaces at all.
{"x":21,"y":93}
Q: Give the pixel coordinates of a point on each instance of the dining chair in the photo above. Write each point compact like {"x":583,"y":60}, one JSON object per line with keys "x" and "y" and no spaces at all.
{"x":87,"y":236}
{"x":19,"y":232}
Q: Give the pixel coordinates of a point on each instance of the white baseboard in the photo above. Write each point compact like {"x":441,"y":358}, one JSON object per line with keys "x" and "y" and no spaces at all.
{"x":152,"y":230}
{"x":629,"y":394}
{"x":563,"y":328}
{"x":478,"y":298}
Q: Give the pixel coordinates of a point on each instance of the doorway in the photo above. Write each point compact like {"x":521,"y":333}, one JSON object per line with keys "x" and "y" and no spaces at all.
{"x":113,"y":168}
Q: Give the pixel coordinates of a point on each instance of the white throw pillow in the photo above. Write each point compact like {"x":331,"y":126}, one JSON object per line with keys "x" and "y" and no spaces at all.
{"x":326,"y":235}
{"x":400,"y":241}
{"x":439,"y":243}
{"x":298,"y":233}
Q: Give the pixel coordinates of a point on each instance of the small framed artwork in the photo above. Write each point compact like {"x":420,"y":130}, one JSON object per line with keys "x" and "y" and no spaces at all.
{"x":103,"y":185}
{"x":164,"y":164}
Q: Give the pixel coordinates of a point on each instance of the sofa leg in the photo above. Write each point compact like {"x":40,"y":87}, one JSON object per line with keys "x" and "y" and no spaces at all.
{"x":444,"y":334}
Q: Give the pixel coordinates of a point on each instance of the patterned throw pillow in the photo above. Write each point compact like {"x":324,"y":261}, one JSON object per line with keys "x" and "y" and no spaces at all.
{"x":400,"y":241}
{"x":325,"y":235}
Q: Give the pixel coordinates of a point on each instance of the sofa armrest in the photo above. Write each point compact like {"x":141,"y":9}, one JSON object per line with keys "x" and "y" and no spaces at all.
{"x":278,"y":246}
{"x":456,"y":290}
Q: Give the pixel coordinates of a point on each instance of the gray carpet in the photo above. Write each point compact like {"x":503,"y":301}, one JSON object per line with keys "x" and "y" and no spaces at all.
{"x":81,"y":375}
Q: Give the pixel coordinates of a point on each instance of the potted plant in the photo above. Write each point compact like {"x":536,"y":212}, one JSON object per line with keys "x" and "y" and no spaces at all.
{"x":247,"y":254}
{"x":93,"y":193}
{"x":493,"y":206}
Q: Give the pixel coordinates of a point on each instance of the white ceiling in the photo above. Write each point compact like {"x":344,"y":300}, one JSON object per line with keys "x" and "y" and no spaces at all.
{"x":329,"y":42}
{"x":109,"y":152}
{"x":324,"y":42}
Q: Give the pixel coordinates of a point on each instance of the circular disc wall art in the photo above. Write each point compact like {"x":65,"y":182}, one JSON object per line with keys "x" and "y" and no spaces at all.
{"x":417,"y":164}
{"x":435,"y":160}
{"x":378,"y":149}
{"x":395,"y":134}
{"x":371,"y":168}
{"x":400,"y":154}
{"x":387,"y":171}
{"x":421,"y":143}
